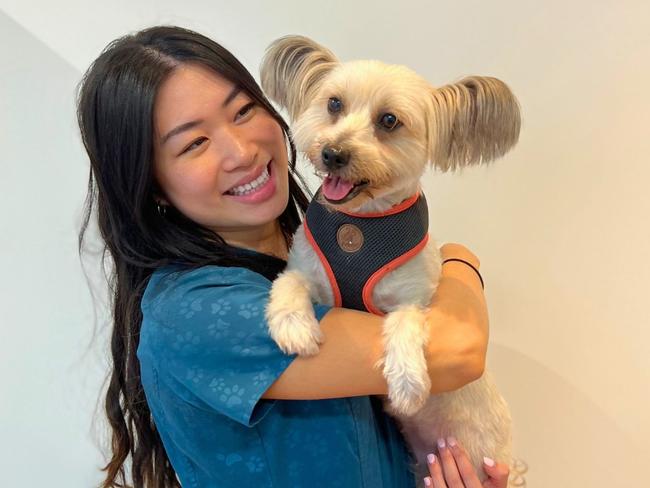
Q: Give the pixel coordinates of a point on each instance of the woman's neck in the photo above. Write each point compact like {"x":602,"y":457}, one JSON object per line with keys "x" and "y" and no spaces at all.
{"x":267,"y":239}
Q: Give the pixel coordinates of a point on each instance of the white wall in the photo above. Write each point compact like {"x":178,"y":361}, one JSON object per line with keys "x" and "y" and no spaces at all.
{"x":560,"y":224}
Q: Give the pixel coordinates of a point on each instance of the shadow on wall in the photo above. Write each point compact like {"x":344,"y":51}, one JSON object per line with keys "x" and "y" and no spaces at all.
{"x":47,"y":317}
{"x":592,"y":449}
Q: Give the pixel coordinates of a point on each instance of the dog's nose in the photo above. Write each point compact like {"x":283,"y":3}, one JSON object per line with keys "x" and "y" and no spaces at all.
{"x":334,"y":158}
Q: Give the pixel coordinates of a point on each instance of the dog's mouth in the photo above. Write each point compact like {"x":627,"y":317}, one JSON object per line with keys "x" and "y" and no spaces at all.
{"x":337,"y":190}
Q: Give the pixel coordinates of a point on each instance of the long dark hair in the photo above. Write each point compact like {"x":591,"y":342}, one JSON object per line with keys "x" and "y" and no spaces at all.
{"x":115,"y":106}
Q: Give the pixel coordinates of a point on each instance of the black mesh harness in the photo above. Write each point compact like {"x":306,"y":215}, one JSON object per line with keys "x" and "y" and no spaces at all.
{"x":357,"y":250}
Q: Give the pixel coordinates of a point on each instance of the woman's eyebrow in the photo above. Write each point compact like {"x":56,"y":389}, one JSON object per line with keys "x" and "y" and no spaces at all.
{"x":181,"y":128}
{"x":231,"y":96}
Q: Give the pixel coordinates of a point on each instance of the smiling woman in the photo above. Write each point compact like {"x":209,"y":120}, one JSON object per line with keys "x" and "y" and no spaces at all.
{"x":220,"y":159}
{"x":163,"y":164}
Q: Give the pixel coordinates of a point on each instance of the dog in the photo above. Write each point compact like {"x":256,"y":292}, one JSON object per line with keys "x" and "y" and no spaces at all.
{"x":371,"y":130}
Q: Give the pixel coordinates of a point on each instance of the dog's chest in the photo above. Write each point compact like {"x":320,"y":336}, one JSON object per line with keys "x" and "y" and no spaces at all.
{"x":359,"y":251}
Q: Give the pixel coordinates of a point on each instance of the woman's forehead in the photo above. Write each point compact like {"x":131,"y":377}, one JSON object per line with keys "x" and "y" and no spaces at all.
{"x":190,"y":91}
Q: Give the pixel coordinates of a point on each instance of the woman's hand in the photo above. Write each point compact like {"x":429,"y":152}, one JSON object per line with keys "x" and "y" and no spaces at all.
{"x":455,"y":250}
{"x":453,"y":469}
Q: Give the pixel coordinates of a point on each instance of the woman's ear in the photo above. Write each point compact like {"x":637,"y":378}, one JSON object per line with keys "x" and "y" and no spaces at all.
{"x":292,"y":70}
{"x":475,"y":120}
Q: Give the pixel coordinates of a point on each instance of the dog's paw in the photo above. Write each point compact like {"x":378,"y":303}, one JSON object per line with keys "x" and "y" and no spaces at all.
{"x":407,"y":392}
{"x":296,"y":331}
{"x":404,"y":363}
{"x":290,"y":315}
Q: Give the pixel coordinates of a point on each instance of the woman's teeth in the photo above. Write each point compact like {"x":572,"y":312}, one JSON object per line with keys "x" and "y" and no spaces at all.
{"x":250,"y":187}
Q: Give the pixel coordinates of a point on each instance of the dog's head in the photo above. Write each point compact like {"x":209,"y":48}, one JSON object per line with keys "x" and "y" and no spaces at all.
{"x":372,"y":127}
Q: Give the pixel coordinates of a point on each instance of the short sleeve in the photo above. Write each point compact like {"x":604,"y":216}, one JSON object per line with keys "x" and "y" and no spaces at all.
{"x":213,"y":342}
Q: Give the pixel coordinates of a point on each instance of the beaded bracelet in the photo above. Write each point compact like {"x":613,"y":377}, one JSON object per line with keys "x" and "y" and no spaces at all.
{"x":468,"y":264}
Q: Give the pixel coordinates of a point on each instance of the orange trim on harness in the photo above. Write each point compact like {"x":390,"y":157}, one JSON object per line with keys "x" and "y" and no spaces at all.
{"x":393,"y":210}
{"x":381,"y":272}
{"x":328,"y":269}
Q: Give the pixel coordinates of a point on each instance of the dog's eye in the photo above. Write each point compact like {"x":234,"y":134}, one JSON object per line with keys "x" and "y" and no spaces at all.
{"x":334,"y":105}
{"x":389,"y":122}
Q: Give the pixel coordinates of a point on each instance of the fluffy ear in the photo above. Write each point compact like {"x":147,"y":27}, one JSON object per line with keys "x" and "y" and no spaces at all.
{"x":475,"y":120}
{"x":292,"y":69}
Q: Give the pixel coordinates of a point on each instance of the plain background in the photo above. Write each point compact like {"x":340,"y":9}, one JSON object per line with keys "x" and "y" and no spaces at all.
{"x":560,"y":224}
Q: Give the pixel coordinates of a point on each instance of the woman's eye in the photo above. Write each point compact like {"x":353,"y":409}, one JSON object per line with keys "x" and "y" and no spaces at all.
{"x":196,"y":143}
{"x":389,"y":122}
{"x":245,"y":110}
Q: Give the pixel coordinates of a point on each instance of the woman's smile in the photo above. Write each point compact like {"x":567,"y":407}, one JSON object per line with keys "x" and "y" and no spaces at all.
{"x":257,"y":189}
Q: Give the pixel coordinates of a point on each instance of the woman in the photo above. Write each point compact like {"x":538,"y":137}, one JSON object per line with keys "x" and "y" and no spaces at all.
{"x":197,"y":200}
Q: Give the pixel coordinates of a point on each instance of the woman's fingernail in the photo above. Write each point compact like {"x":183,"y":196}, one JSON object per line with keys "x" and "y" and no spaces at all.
{"x":431,"y":458}
{"x":441,"y":443}
{"x":488,"y":461}
{"x":451,"y":441}
{"x":427,"y":481}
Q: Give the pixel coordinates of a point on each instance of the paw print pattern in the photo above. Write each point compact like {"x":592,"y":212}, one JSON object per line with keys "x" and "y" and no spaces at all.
{"x":243,"y":350}
{"x":238,"y":274}
{"x":221,"y":307}
{"x":232,"y":395}
{"x":189,"y":308}
{"x":229,"y":459}
{"x":249,"y":310}
{"x":168,"y":329}
{"x":217,"y":385}
{"x":216,"y":342}
{"x":186,"y":342}
{"x":255,"y":464}
{"x":228,"y":394}
{"x":251,"y":349}
{"x":238,"y":338}
{"x":261,"y":378}
{"x":195,"y":375}
{"x":218,"y":329}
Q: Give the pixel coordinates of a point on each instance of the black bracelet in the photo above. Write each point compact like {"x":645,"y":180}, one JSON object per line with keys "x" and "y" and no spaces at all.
{"x":468,"y":264}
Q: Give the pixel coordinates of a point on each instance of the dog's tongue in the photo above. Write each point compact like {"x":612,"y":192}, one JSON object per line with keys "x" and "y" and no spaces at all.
{"x":336,"y":188}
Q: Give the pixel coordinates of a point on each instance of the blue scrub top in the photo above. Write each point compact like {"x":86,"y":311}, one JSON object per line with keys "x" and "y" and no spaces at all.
{"x":206,"y":358}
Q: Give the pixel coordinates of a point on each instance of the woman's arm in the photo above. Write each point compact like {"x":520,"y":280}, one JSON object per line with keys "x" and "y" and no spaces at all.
{"x":459,"y":323}
{"x":344,"y":366}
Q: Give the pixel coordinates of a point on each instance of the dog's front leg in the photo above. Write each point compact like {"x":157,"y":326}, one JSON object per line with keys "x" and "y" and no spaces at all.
{"x":404,"y":362}
{"x":290,"y":315}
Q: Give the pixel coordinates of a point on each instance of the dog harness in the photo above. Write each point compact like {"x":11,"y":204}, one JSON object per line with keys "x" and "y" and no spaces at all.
{"x":358,"y":250}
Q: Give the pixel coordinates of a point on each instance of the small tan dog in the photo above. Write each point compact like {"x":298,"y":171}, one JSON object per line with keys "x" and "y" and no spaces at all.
{"x":372,"y":129}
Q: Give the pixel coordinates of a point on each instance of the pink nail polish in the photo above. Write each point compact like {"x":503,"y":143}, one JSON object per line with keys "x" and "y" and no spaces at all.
{"x":441,"y":443}
{"x":488,"y":461}
{"x":451,"y":441}
{"x":431,"y":458}
{"x":427,"y":481}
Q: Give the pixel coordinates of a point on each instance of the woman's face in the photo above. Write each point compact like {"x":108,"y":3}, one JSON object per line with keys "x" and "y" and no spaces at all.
{"x":219,"y":158}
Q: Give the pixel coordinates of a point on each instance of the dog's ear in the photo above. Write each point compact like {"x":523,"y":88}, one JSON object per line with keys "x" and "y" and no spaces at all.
{"x":292,"y":70}
{"x":475,"y":120}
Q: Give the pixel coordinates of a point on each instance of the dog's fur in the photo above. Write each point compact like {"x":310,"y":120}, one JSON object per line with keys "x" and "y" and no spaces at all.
{"x":475,"y":120}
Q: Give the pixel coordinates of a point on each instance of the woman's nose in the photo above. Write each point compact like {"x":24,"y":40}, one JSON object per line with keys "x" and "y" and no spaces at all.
{"x":238,"y":150}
